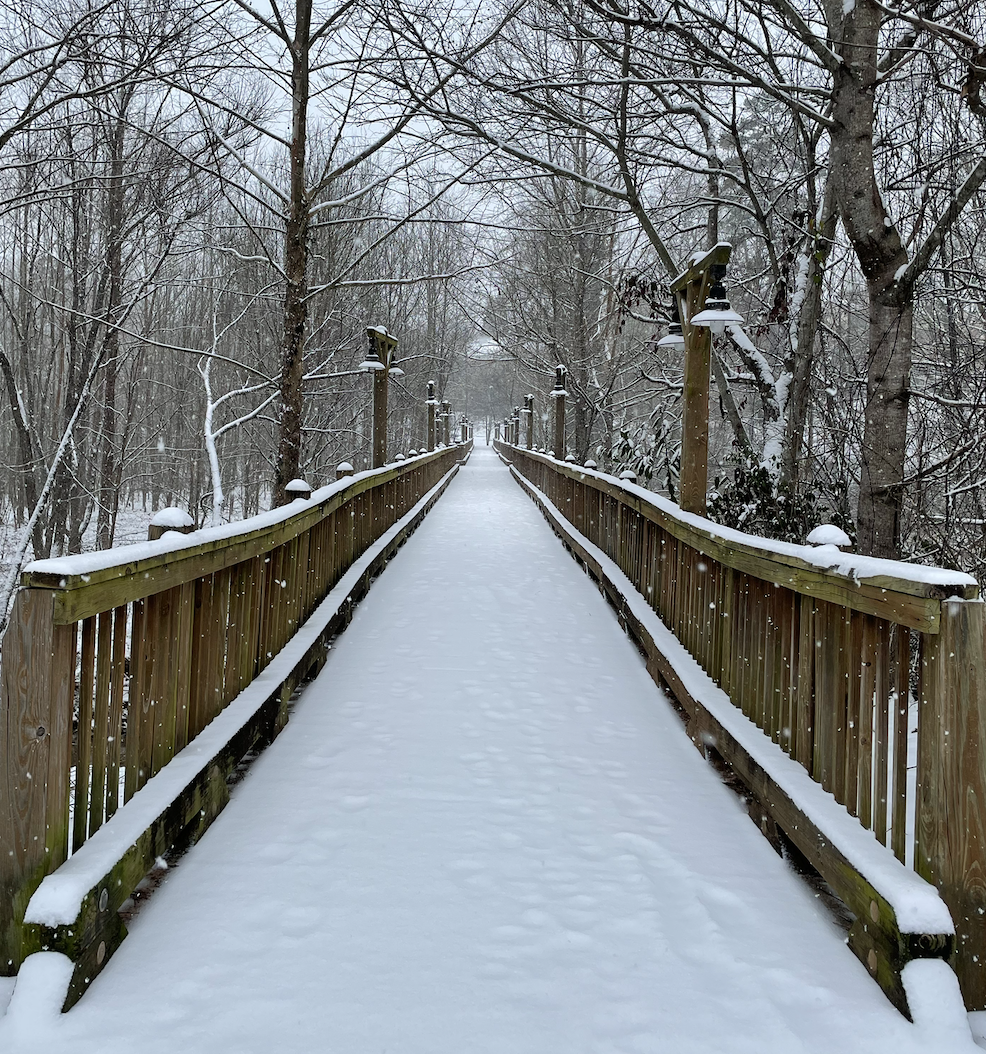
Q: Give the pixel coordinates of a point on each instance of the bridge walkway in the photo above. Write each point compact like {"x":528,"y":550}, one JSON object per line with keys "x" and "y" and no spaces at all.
{"x":483,"y":830}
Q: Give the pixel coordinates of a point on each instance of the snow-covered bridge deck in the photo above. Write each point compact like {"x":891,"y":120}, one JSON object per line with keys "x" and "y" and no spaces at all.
{"x":483,"y":830}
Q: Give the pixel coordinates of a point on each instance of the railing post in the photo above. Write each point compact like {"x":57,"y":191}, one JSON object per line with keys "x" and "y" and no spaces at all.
{"x":37,"y":688}
{"x":447,"y":423}
{"x":558,"y":394}
{"x":344,"y":469}
{"x":432,"y":404}
{"x":950,"y":827}
{"x":170,"y":519}
{"x":691,"y":289}
{"x":379,"y":362}
{"x":529,"y":414}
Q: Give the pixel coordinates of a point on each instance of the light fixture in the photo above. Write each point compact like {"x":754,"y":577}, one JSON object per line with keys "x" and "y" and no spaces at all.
{"x":371,"y":362}
{"x":674,"y":341}
{"x":717,"y":314}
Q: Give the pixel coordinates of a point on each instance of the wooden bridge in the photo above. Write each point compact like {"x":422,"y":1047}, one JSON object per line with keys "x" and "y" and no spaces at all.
{"x":133,"y":690}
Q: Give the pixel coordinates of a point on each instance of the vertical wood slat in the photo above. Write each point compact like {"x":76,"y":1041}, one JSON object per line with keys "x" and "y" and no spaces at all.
{"x":101,"y":719}
{"x":184,"y":628}
{"x":805,"y":692}
{"x":80,"y":820}
{"x":881,"y":693}
{"x":853,"y":730}
{"x":133,"y":713}
{"x":117,"y":687}
{"x":867,"y":687}
{"x":901,"y":697}
{"x":202,"y":629}
{"x":164,"y":679}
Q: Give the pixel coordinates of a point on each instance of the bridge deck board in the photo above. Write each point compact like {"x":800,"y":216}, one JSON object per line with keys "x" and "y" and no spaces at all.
{"x":483,"y":830}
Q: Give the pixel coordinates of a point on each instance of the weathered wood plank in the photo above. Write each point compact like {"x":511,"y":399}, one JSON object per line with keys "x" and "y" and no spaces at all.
{"x":951,"y":793}
{"x":867,"y":691}
{"x":115,"y":744}
{"x":37,"y":682}
{"x":83,"y":763}
{"x":901,"y":696}
{"x":101,"y":735}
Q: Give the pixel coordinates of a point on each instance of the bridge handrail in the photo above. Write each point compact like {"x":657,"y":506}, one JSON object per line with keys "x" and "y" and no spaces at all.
{"x":148,"y":643}
{"x":821,"y":659}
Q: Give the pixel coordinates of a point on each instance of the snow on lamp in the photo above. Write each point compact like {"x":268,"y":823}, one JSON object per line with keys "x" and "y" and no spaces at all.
{"x":675,"y":340}
{"x":717,"y":314}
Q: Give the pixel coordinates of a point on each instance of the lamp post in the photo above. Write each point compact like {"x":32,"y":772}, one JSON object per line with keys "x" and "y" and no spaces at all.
{"x":432,"y":404}
{"x":381,"y":362}
{"x":529,"y":415}
{"x":447,"y":423}
{"x":558,"y":394}
{"x":701,"y":299}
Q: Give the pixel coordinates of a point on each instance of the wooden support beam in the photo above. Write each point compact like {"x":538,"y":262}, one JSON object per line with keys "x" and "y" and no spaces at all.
{"x":691,"y":288}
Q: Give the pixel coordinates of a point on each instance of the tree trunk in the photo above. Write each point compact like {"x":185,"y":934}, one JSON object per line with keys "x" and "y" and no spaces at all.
{"x":882,"y":257}
{"x":805,"y":336}
{"x":108,"y":492}
{"x":295,"y":265}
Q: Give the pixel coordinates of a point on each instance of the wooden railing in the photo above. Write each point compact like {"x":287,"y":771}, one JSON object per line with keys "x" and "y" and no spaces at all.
{"x":146,"y":645}
{"x":819,"y":648}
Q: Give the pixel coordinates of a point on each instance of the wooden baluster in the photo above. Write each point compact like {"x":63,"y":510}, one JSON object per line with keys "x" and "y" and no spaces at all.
{"x":773,"y":664}
{"x":881,"y":692}
{"x":237,"y":631}
{"x":725,"y":617}
{"x":80,"y":820}
{"x":854,"y":667}
{"x":805,"y":689}
{"x":184,"y":628}
{"x":900,"y":698}
{"x":785,"y":618}
{"x":216,"y":699}
{"x":162,"y":683}
{"x":203,"y":629}
{"x":747,"y":642}
{"x":118,"y":669}
{"x":867,"y":682}
{"x":101,"y":719}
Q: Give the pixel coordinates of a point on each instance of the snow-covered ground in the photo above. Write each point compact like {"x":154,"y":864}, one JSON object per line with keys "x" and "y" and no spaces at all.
{"x":483,"y":830}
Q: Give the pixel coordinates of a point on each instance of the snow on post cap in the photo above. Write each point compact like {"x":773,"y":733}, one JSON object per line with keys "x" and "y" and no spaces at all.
{"x":380,"y":329}
{"x":591,"y":464}
{"x":172,"y":518}
{"x":628,"y":474}
{"x":829,"y":534}
{"x":570,"y":457}
{"x":298,"y":487}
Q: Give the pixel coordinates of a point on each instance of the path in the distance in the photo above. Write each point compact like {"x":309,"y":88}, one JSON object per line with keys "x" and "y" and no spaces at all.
{"x":483,"y":830}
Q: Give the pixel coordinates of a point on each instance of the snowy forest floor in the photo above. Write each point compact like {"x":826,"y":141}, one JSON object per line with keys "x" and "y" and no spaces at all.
{"x":483,"y":830}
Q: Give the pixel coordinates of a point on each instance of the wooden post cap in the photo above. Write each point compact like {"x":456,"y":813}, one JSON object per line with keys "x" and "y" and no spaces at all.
{"x":298,"y":488}
{"x":169,"y":519}
{"x":344,"y":469}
